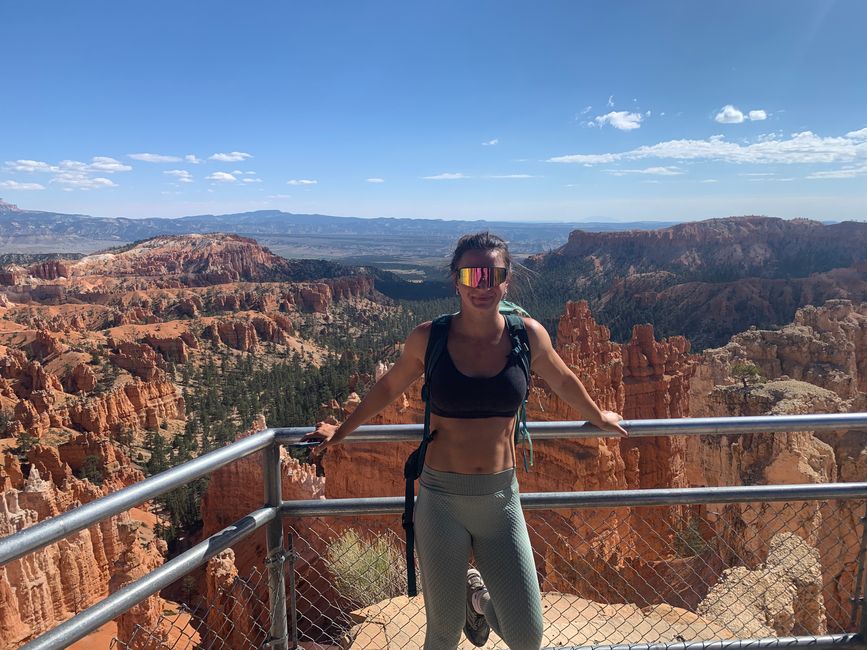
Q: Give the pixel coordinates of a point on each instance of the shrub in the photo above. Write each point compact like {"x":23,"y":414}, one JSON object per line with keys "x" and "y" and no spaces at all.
{"x":366,"y":572}
{"x":747,"y":372}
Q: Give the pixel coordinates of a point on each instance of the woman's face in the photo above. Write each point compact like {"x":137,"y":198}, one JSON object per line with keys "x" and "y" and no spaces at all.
{"x":477,"y":297}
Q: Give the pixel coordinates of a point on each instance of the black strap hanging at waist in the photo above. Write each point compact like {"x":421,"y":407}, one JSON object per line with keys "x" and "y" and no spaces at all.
{"x":412,"y":469}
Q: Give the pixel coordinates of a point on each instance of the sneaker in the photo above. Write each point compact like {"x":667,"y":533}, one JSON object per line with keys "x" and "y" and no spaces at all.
{"x":476,"y":627}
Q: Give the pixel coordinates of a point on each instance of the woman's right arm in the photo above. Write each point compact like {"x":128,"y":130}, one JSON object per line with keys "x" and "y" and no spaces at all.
{"x":408,"y":367}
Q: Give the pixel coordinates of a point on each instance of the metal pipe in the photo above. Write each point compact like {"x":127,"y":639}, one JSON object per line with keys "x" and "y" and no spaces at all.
{"x":275,"y":552}
{"x":48,"y":531}
{"x":293,"y":595}
{"x":599,"y":499}
{"x":825,"y":642}
{"x":864,"y":594}
{"x":636,"y":428}
{"x":857,"y":598}
{"x":80,"y":625}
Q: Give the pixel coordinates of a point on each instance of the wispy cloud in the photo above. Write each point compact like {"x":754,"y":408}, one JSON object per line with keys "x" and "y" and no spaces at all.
{"x":375,"y":180}
{"x":73,"y":180}
{"x":729,"y":114}
{"x":249,"y":180}
{"x":709,"y":180}
{"x":221,"y":177}
{"x":491,"y":143}
{"x":232,"y":156}
{"x":30,"y":166}
{"x":24,"y":187}
{"x":192,"y":159}
{"x":279,"y":196}
{"x":73,"y":174}
{"x":800,"y":148}
{"x":622,"y":120}
{"x":511,"y":176}
{"x":301,"y":181}
{"x":610,"y":101}
{"x":586,"y":110}
{"x":154,"y":157}
{"x":447,"y":176}
{"x":652,"y":171}
{"x":181,"y":174}
{"x":845,"y":172}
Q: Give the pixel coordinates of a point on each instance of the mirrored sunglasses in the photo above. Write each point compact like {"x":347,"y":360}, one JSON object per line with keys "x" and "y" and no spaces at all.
{"x":482,"y":277}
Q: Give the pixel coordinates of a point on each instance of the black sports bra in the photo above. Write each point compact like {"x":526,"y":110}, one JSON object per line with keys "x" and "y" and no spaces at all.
{"x":454,"y":395}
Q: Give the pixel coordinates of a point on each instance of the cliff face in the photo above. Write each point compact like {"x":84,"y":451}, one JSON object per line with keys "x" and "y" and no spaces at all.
{"x":45,"y":588}
{"x":711,"y":279}
{"x":814,"y":365}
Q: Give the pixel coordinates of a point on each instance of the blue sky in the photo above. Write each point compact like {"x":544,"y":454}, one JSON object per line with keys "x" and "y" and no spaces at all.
{"x":555,"y":111}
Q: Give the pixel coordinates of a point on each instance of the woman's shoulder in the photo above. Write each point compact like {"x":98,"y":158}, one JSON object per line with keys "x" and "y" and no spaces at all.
{"x":416,"y":342}
{"x":536,"y":332}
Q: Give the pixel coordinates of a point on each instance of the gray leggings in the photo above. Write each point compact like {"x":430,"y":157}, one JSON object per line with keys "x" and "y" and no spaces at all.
{"x":482,"y":512}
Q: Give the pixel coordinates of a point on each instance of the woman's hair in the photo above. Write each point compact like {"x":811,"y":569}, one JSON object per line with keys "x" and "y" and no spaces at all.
{"x":480,"y":241}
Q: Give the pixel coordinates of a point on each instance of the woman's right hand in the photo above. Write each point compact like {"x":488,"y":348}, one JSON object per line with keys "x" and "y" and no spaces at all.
{"x":323,"y":432}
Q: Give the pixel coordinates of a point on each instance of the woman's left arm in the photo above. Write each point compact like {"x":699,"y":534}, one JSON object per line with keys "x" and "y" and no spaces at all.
{"x":546,"y":363}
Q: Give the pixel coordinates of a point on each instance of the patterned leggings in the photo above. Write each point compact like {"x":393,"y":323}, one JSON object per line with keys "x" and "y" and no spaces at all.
{"x":459,"y":512}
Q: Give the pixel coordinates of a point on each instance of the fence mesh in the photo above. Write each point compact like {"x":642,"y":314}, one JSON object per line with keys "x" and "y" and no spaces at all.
{"x":613,"y":575}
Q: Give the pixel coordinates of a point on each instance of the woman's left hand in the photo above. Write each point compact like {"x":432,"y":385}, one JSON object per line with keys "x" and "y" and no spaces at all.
{"x":610,"y":421}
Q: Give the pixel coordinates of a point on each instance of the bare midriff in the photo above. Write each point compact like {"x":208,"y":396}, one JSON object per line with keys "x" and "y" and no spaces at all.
{"x":471,"y":446}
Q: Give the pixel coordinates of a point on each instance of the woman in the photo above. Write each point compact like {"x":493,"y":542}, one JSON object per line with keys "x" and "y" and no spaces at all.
{"x":468,"y":496}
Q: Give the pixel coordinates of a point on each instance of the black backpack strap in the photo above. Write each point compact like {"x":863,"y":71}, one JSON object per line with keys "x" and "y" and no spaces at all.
{"x":412,"y":469}
{"x":521,"y":350}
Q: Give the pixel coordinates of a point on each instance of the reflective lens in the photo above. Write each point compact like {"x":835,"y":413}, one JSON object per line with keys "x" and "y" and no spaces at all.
{"x":482,"y":277}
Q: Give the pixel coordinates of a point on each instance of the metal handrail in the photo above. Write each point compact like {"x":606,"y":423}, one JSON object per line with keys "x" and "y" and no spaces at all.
{"x":51,"y":530}
{"x":598,"y":499}
{"x":571,"y":429}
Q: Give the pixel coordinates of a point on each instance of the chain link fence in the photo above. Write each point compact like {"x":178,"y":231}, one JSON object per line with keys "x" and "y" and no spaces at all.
{"x":648,"y":574}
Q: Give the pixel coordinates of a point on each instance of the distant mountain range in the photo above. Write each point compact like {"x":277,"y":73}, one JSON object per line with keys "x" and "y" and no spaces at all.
{"x":292,"y":235}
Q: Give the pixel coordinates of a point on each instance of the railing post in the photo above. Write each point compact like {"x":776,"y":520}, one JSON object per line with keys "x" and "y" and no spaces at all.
{"x":276,"y":554}
{"x":293,"y":605}
{"x":861,"y":560}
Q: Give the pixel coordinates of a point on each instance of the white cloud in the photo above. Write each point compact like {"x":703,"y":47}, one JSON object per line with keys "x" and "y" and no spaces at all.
{"x":799,"y":148}
{"x":251,"y":180}
{"x":233,"y":156}
{"x":729,"y":115}
{"x":491,"y":143}
{"x":622,"y":120}
{"x":97,"y":164}
{"x":709,"y":180}
{"x":445,"y":177}
{"x":758,"y":115}
{"x":845,"y":172}
{"x":611,"y":100}
{"x":15,"y":185}
{"x":653,"y":171}
{"x":30,"y":166}
{"x":279,"y":196}
{"x":301,"y":181}
{"x":154,"y":157}
{"x":181,"y":174}
{"x":511,"y":176}
{"x":191,"y":158}
{"x":375,"y":180}
{"x":860,"y":134}
{"x":106,"y":164}
{"x":75,"y":180}
{"x":221,"y":177}
{"x":586,"y":110}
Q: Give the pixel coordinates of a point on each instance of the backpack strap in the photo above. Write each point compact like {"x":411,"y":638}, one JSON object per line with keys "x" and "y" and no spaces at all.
{"x":521,"y":350}
{"x":412,"y":469}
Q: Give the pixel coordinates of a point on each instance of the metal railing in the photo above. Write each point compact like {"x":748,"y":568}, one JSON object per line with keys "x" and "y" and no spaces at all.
{"x":688,"y":549}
